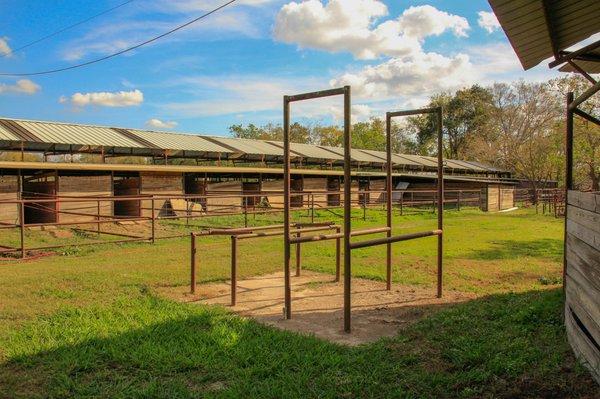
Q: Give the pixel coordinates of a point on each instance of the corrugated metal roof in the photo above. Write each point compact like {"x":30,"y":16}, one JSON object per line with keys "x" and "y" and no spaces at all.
{"x":63,"y":133}
{"x":179,"y":141}
{"x":248,"y":146}
{"x":310,"y":151}
{"x":536,"y":28}
{"x":147,"y":142}
{"x":356,"y":154}
{"x":5,"y":134}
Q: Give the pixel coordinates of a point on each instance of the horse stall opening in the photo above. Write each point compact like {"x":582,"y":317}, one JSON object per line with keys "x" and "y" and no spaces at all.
{"x":42,"y":186}
{"x":333,"y":184}
{"x":195,"y":184}
{"x":296,"y":186}
{"x":126,"y":185}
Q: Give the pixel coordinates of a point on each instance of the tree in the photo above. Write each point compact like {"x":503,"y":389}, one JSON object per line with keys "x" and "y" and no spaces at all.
{"x":586,"y":135}
{"x":465,"y":115}
{"x":521,"y":134}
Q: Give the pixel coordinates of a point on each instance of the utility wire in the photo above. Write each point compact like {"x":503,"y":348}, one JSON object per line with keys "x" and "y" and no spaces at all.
{"x":48,"y":36}
{"x":155,"y":38}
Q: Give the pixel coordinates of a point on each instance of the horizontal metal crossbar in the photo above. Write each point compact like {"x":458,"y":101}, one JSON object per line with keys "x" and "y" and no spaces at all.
{"x":324,"y":237}
{"x":279,"y":233}
{"x":412,"y":112}
{"x":317,"y":94}
{"x":389,"y":240}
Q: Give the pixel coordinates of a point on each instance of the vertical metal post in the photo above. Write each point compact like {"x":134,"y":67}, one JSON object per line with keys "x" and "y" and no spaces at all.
{"x":233,"y":269}
{"x":401,"y":203}
{"x":312,"y":208}
{"x":286,"y":208}
{"x":298,"y":257}
{"x":193,"y":263}
{"x":338,"y":258}
{"x":440,"y":201}
{"x":153,"y":221}
{"x":458,"y":201}
{"x":568,"y":177}
{"x":22,"y":227}
{"x":388,"y":199}
{"x":245,"y":211}
{"x":98,"y":217}
{"x":347,"y":212}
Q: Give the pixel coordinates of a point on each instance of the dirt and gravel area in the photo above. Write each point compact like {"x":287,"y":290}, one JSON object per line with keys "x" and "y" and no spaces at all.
{"x":317,"y":303}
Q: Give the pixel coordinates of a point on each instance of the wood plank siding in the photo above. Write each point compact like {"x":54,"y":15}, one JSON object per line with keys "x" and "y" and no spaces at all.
{"x":582,"y":280}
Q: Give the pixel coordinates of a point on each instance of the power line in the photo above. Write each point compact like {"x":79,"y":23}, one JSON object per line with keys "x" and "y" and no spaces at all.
{"x":155,"y":38}
{"x":48,"y":36}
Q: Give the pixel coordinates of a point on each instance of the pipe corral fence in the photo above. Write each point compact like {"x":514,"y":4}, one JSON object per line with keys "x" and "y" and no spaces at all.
{"x":95,"y":215}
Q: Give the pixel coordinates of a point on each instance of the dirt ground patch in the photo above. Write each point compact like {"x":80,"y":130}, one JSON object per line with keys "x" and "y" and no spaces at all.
{"x":317,"y":304}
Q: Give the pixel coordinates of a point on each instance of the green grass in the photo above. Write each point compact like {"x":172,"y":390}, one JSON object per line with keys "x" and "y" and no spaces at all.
{"x":89,"y":323}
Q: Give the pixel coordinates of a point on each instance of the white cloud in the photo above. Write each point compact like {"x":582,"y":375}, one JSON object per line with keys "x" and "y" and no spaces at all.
{"x":105,"y":99}
{"x":425,"y":73}
{"x":358,"y":113}
{"x":23,"y":86}
{"x":5,"y":49}
{"x":349,"y":25}
{"x":158,"y":124}
{"x":488,"y":21}
{"x":423,"y":21}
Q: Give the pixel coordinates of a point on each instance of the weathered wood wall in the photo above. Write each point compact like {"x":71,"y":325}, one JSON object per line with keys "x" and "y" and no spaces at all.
{"x":497,"y":197}
{"x":83,"y":186}
{"x":9,"y":190}
{"x":162,"y":184}
{"x":582,"y":280}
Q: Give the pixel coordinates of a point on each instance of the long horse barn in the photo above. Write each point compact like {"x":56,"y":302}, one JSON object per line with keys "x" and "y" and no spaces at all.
{"x":55,"y":164}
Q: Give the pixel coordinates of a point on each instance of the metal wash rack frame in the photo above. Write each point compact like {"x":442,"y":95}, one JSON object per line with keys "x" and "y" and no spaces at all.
{"x":348,"y":233}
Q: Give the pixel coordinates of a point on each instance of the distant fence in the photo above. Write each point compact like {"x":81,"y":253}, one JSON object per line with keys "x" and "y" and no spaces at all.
{"x":88,"y":214}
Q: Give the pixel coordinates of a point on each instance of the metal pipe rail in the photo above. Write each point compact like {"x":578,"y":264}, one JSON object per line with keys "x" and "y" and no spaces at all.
{"x":236,"y":234}
{"x":392,"y":239}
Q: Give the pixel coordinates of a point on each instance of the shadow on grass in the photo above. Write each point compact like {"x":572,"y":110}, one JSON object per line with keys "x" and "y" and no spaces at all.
{"x":547,"y":248}
{"x":510,"y":345}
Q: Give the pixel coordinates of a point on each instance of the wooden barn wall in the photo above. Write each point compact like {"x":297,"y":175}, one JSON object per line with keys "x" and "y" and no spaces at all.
{"x":316,"y":184}
{"x":582,"y":303}
{"x":275,"y":198}
{"x":223,"y":203}
{"x":377,"y":185}
{"x":9,"y":190}
{"x":83,"y":186}
{"x":162,"y":184}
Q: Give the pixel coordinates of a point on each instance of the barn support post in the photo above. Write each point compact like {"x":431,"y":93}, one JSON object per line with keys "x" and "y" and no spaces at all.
{"x":568,"y":175}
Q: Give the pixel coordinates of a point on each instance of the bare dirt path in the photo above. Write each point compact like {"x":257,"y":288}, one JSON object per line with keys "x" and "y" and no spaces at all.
{"x":317,"y":304}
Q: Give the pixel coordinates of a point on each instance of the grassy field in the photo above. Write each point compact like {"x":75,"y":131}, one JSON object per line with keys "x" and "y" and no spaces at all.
{"x":88,"y":321}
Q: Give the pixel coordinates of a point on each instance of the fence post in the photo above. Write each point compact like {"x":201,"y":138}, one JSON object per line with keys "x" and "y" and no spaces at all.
{"x":193,"y":263}
{"x":458,"y":203}
{"x":312,"y":208}
{"x":365,"y":206}
{"x":298,"y":255}
{"x":402,"y":203}
{"x":22,"y":227}
{"x":245,"y":211}
{"x":153,"y":221}
{"x":98,"y":217}
{"x":233,"y":269}
{"x":338,"y":257}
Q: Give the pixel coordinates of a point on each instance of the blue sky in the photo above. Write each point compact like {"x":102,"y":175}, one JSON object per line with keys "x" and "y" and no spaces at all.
{"x":235,"y":66}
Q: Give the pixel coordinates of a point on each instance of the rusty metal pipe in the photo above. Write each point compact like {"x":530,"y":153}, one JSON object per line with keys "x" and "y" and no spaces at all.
{"x":392,"y":239}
